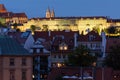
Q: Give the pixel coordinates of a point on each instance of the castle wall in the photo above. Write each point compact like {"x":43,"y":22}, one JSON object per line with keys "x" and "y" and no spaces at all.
{"x":74,"y":24}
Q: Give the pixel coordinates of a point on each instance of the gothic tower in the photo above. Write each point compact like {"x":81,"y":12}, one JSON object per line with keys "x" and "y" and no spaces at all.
{"x":2,"y":8}
{"x":48,"y":14}
{"x":52,"y":14}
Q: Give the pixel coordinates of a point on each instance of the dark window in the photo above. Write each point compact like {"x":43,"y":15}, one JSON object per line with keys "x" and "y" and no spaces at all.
{"x":12,"y":62}
{"x":12,"y":74}
{"x":64,"y":56}
{"x":23,"y":61}
{"x":54,"y":56}
{"x":59,"y":56}
{"x":24,"y":75}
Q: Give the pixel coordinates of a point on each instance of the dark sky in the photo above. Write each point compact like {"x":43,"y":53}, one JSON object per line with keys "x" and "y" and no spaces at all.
{"x":37,"y":8}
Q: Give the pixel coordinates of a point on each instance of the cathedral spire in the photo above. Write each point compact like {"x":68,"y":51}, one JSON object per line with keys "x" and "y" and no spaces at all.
{"x":48,"y":14}
{"x":52,"y":14}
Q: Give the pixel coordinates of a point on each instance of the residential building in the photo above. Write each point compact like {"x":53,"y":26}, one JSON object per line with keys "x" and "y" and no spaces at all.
{"x":11,"y":17}
{"x":41,"y":61}
{"x":24,"y":38}
{"x":96,"y":43}
{"x":15,"y":61}
{"x":60,"y":43}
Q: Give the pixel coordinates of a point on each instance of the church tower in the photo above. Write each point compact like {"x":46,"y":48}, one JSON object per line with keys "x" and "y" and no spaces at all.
{"x":2,"y":8}
{"x":52,"y":14}
{"x":48,"y":13}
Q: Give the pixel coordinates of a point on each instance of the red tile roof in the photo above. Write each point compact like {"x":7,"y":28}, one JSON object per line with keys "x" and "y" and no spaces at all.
{"x":17,"y":36}
{"x":111,"y":42}
{"x":10,"y":15}
{"x":85,"y":38}
{"x":45,"y":34}
{"x":19,"y":15}
{"x":2,"y":8}
{"x":80,"y":17}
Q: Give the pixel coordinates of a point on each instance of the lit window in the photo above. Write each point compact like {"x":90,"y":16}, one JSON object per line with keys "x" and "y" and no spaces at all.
{"x":59,"y":64}
{"x":61,"y":47}
{"x":65,"y":47}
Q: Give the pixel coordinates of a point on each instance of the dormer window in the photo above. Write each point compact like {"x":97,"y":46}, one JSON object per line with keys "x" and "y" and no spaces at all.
{"x":91,"y":37}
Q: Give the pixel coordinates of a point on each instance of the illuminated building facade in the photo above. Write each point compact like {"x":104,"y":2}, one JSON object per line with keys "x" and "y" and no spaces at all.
{"x":81,"y":24}
{"x":11,"y":17}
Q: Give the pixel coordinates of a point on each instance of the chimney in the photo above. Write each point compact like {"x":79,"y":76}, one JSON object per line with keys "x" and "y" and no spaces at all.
{"x":103,"y":43}
{"x":75,"y":40}
{"x":49,"y":33}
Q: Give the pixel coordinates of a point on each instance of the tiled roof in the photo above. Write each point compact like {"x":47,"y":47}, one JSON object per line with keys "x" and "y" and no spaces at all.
{"x":45,"y":34}
{"x":10,"y":14}
{"x":19,"y":15}
{"x":113,"y":20}
{"x":86,"y":38}
{"x":2,"y":8}
{"x":17,"y":36}
{"x":9,"y":46}
{"x":111,"y":42}
{"x":6,"y":14}
{"x":80,"y":17}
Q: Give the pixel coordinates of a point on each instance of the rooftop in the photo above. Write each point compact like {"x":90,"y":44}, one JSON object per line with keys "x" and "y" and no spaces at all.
{"x":9,"y":46}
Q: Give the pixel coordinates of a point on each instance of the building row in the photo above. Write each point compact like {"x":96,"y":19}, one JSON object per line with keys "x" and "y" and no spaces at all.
{"x":11,"y":18}
{"x":25,"y":56}
{"x":53,"y":23}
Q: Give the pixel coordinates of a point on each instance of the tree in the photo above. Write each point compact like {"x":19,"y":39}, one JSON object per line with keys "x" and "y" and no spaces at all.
{"x":15,"y":25}
{"x":113,"y":58}
{"x":45,"y":27}
{"x":111,"y":30}
{"x":2,"y":25}
{"x":81,"y":57}
{"x":18,"y":30}
{"x":32,"y":27}
{"x":97,"y":29}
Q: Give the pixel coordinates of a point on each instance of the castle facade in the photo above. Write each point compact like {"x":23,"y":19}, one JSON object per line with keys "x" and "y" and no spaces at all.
{"x":81,"y":24}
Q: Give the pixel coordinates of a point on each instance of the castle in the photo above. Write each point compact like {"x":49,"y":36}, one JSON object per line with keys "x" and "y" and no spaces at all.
{"x":81,"y":24}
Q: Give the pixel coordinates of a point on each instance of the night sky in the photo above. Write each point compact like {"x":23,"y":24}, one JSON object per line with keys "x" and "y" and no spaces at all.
{"x":37,"y":8}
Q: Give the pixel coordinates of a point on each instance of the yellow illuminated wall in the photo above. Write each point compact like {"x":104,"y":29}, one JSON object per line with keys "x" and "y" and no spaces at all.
{"x":74,"y":24}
